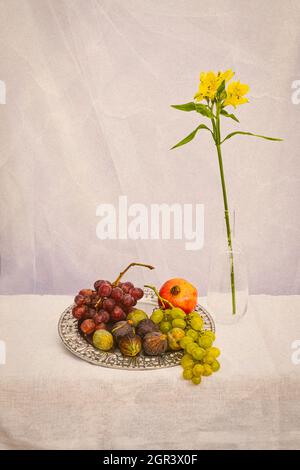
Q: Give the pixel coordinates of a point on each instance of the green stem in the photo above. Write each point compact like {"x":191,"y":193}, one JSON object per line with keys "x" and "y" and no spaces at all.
{"x":163,"y":301}
{"x":216,"y":126}
{"x":115,"y":283}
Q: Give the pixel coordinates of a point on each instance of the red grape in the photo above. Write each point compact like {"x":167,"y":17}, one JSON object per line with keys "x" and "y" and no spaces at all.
{"x":118,"y":314}
{"x":117,"y":294}
{"x":128,"y":283}
{"x":137,"y":293}
{"x":100,"y":326}
{"x":105,"y":290}
{"x":94,"y":300}
{"x":108,"y":304}
{"x":79,"y":312}
{"x":127,"y":286}
{"x":79,"y":300}
{"x":91,"y":313}
{"x":88,"y":300}
{"x":86,"y":292}
{"x":128,"y":300}
{"x":87,"y":326}
{"x":105,"y":316}
{"x":101,"y":317}
{"x":97,"y":284}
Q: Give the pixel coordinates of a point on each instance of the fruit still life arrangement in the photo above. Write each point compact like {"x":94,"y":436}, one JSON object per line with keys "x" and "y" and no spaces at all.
{"x":109,"y":318}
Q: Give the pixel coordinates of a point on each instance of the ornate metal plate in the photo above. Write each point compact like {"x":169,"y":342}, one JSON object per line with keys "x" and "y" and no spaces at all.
{"x":76,"y":343}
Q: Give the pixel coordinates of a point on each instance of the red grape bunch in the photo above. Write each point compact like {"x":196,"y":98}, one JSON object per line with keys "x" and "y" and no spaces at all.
{"x":108,"y":303}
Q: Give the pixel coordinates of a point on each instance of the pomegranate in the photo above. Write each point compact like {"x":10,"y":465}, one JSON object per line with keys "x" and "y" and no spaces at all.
{"x":180,"y":293}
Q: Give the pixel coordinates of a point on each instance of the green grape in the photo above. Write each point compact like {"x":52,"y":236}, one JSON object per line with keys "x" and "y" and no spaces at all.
{"x":167,"y":315}
{"x":196,"y":323}
{"x":207,"y":370}
{"x":187,"y":374}
{"x":185,"y":341}
{"x":209,"y":334}
{"x":198,"y":353}
{"x":204,"y":341}
{"x":165,"y":326}
{"x":191,"y":347}
{"x":193,"y":314}
{"x":179,"y":323}
{"x":208,"y":359}
{"x":193,"y":334}
{"x":198,"y":370}
{"x":186,"y":356}
{"x":196,"y":380}
{"x":187,"y":361}
{"x":157,"y":316}
{"x":177,"y":313}
{"x":214,"y":351}
{"x":215,"y":366}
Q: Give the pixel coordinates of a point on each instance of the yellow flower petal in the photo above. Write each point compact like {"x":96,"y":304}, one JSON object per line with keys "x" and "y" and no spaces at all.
{"x":227,"y":75}
{"x":210,"y":82}
{"x":235,"y":94}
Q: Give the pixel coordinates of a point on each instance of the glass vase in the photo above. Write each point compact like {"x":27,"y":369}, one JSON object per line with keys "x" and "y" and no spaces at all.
{"x":227,"y":295}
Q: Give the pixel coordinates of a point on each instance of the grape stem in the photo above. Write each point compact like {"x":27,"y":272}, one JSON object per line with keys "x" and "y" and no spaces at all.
{"x":163,"y":301}
{"x":98,"y":303}
{"x":128,"y":267}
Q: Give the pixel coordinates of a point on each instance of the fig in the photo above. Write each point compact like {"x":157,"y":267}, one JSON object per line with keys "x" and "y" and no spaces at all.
{"x":103,"y":340}
{"x":121,"y":329}
{"x":130,"y":346}
{"x":137,"y":316}
{"x":146,"y":326}
{"x":174,"y":337}
{"x":155,"y":344}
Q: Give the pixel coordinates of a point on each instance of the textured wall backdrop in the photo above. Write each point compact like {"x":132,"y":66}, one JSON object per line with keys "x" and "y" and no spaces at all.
{"x":87,"y":118}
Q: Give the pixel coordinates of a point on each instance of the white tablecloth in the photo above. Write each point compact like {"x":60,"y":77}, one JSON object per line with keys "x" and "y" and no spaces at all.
{"x":49,"y":399}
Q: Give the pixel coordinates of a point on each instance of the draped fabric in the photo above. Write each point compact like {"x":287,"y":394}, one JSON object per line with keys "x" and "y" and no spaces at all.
{"x":52,"y":400}
{"x":87,"y":119}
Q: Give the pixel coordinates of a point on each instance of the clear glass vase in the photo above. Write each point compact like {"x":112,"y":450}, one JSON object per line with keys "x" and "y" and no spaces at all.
{"x":227,"y":295}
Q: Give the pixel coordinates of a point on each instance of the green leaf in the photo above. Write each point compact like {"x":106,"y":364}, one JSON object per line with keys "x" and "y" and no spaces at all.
{"x":191,"y":136}
{"x":250,"y":133}
{"x":232,"y":116}
{"x":184,"y":107}
{"x":204,"y":110}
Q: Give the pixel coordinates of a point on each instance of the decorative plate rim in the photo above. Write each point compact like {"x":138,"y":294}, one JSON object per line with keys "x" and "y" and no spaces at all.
{"x":79,"y":347}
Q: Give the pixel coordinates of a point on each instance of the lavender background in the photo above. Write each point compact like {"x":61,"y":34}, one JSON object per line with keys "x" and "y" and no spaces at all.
{"x":89,"y":84}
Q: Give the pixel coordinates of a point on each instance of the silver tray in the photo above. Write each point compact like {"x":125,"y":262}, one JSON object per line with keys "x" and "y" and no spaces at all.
{"x":77,"y":345}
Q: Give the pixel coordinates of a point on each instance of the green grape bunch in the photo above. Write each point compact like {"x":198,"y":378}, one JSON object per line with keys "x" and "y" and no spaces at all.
{"x":200,"y":356}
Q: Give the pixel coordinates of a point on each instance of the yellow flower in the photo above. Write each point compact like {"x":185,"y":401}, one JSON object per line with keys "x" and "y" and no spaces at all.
{"x":226,"y":76}
{"x":235,"y":94}
{"x":207,"y":86}
{"x":210,"y":82}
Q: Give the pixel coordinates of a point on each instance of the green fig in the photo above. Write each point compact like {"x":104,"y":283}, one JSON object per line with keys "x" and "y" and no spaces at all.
{"x":136,"y":316}
{"x":103,"y":340}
